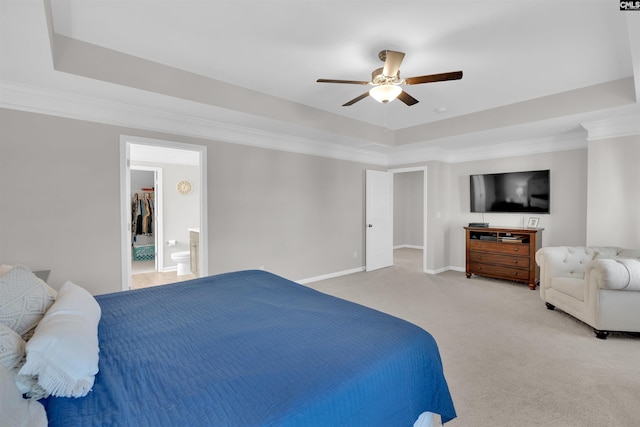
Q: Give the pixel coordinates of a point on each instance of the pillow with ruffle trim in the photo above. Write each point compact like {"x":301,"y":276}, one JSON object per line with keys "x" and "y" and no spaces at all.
{"x":63,"y":352}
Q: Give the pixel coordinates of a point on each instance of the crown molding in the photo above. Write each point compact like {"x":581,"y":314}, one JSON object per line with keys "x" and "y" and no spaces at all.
{"x":571,"y":141}
{"x":625,"y":124}
{"x":403,"y":156}
{"x":63,"y":104}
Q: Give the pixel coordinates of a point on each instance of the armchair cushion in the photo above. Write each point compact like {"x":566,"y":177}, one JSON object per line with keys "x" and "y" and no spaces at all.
{"x":620,"y":273}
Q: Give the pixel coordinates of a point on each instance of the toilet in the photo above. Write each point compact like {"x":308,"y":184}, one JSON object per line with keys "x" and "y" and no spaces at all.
{"x":182,"y":258}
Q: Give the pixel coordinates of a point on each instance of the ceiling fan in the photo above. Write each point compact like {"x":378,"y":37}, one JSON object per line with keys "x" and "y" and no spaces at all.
{"x":386,"y":81}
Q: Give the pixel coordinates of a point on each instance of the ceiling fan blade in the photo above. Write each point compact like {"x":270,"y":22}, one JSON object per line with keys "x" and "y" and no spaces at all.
{"x":392,"y":63}
{"x":354,"y":100}
{"x":407,"y":99}
{"x":353,"y":82}
{"x":454,"y":75}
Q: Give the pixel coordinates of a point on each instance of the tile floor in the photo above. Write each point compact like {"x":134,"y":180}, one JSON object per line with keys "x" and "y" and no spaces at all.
{"x":143,"y":275}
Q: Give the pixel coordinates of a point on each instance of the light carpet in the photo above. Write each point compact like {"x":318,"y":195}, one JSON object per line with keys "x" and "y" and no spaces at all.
{"x":508,"y":360}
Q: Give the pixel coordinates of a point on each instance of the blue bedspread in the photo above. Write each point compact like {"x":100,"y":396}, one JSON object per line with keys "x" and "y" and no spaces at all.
{"x":254,"y":349}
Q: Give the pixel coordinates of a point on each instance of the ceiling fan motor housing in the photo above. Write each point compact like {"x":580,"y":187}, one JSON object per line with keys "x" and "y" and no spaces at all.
{"x":377,"y":78}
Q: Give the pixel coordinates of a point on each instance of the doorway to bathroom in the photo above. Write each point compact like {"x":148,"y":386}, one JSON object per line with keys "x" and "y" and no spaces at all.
{"x":163,"y":214}
{"x":147,"y":250}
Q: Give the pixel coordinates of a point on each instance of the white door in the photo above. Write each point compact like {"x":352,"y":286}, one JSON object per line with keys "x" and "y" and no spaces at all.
{"x":379,"y":220}
{"x":157,"y":220}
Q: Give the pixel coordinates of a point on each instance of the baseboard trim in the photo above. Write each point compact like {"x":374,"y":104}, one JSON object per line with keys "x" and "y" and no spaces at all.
{"x":330,"y":275}
{"x":360,"y":269}
{"x":443,"y":269}
{"x":408,"y":247}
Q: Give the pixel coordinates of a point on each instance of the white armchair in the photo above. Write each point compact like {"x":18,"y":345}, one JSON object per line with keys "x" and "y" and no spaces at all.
{"x":598,"y":285}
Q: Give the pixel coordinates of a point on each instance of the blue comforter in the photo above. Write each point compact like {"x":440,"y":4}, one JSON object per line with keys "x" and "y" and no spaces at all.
{"x":254,"y":349}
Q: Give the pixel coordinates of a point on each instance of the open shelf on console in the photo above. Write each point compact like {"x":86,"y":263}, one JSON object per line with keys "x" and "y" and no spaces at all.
{"x":500,"y":236}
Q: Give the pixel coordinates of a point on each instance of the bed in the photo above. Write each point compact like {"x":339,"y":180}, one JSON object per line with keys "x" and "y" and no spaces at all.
{"x":251,"y":348}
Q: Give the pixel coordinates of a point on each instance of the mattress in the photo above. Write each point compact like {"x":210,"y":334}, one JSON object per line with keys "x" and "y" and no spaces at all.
{"x":254,"y":349}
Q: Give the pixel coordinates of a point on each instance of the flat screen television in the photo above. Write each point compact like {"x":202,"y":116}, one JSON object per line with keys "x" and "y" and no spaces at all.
{"x":511,"y":192}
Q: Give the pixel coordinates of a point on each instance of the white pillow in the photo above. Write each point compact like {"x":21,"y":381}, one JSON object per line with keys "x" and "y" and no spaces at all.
{"x":12,"y":357}
{"x":16,"y":411}
{"x":63,"y":351}
{"x":24,"y":298}
{"x":11,"y":348}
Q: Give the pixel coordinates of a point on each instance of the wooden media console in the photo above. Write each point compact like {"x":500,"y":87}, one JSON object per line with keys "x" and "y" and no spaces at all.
{"x":504,"y":253}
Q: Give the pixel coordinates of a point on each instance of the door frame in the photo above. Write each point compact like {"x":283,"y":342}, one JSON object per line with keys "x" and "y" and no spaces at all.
{"x":125,"y":203}
{"x":424,"y":208}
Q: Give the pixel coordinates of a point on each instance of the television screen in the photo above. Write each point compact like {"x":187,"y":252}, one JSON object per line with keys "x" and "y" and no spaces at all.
{"x":519,"y":192}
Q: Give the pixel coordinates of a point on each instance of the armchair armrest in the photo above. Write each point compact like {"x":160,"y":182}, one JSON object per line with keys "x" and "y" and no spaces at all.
{"x":618,"y":274}
{"x":561,"y":261}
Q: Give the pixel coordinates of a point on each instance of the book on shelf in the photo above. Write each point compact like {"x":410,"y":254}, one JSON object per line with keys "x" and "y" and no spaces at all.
{"x":511,"y":240}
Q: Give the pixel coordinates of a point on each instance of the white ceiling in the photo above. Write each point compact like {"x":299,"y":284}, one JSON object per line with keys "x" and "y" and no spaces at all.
{"x":531,"y":53}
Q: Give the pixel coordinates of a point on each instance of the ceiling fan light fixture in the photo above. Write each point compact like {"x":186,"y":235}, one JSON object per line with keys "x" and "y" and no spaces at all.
{"x":385,"y":93}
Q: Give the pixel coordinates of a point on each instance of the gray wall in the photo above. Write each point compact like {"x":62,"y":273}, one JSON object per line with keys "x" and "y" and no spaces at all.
{"x":594,"y":199}
{"x":448,"y":205}
{"x":614,"y":192}
{"x":299,"y":216}
{"x":566,"y":225}
{"x":60,"y":198}
{"x":440,"y":209}
{"x":408,"y":208}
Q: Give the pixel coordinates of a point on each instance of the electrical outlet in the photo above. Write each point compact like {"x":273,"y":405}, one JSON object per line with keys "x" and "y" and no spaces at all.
{"x":355,"y":254}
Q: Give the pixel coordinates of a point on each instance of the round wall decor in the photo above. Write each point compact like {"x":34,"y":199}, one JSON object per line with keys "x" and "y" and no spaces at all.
{"x":184,"y":187}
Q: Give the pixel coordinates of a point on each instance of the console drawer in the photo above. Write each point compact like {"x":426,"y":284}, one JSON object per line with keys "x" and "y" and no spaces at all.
{"x":503,"y":272}
{"x":501,"y":259}
{"x":499,"y":247}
